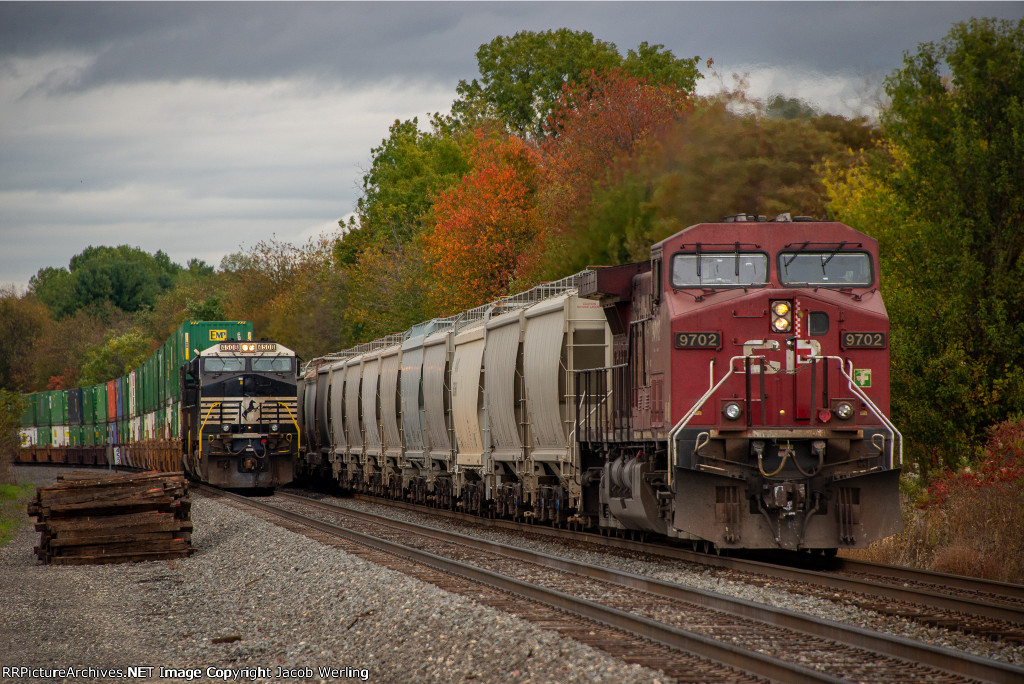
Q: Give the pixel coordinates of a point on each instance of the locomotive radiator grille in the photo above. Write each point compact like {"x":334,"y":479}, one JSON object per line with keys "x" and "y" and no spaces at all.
{"x":264,"y":410}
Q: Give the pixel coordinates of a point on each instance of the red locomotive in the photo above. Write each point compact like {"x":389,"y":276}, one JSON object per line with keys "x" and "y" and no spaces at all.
{"x":748,"y":404}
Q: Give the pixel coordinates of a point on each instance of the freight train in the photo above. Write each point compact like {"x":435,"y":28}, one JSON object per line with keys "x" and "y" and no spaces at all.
{"x":732,"y":390}
{"x":210,"y":401}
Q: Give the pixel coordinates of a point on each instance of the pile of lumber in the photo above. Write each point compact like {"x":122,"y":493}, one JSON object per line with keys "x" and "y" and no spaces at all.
{"x":103,"y":518}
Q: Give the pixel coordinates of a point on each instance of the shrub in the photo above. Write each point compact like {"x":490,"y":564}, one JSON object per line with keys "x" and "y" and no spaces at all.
{"x":967,"y":521}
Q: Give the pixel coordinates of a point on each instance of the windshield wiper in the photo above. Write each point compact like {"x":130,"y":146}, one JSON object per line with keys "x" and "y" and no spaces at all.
{"x":796,"y":253}
{"x":841,"y":245}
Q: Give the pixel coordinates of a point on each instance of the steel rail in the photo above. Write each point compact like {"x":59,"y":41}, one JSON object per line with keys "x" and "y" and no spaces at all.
{"x":750,"y":662}
{"x":820,"y":578}
{"x":962,"y":582}
{"x":948,"y":660}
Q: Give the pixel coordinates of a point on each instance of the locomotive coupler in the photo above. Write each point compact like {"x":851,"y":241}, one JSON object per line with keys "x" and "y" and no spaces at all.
{"x":787,"y":498}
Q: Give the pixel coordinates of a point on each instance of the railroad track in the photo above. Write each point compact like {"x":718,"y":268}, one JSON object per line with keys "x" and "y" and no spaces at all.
{"x":993,"y":610}
{"x":691,"y":635}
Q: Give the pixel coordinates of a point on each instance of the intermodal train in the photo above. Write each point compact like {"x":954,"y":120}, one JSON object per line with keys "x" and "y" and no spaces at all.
{"x":210,"y":400}
{"x":732,"y":390}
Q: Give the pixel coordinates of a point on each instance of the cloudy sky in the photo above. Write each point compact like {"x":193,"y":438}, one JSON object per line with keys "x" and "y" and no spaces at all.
{"x":203,"y":128}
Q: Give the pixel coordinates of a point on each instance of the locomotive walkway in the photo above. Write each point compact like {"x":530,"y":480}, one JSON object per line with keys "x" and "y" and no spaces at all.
{"x":694,"y":633}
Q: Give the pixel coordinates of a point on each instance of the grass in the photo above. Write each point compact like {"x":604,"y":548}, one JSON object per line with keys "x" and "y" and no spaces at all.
{"x":13,"y":500}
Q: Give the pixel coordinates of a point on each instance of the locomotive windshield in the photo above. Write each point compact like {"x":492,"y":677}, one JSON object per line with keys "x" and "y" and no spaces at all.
{"x":719,"y":269}
{"x":257,"y":364}
{"x":223,"y":364}
{"x":837,"y":269}
{"x":272,"y":364}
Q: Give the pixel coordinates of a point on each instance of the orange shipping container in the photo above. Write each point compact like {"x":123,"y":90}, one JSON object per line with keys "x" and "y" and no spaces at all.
{"x":112,"y":401}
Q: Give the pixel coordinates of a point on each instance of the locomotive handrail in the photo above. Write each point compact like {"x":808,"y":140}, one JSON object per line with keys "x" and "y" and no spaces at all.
{"x":862,"y":395}
{"x":895,"y":434}
{"x":215,"y":405}
{"x":298,"y":432}
{"x":696,"y":407}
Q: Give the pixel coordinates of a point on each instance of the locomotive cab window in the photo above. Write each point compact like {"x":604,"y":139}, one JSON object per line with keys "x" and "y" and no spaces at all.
{"x":272,"y":364}
{"x":228,"y":364}
{"x":719,"y":269}
{"x":825,"y":269}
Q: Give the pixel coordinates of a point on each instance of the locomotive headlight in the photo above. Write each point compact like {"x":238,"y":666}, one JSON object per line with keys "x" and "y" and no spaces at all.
{"x":844,"y":411}
{"x":225,"y":428}
{"x":732,"y":410}
{"x":782,"y":316}
{"x":274,"y":427}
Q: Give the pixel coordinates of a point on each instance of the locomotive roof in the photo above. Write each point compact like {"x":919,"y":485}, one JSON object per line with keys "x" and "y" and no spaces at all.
{"x":776,"y":234}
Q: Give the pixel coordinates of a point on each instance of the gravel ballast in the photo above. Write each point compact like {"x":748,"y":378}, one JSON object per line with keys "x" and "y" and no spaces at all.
{"x":708,"y":579}
{"x":257,"y":596}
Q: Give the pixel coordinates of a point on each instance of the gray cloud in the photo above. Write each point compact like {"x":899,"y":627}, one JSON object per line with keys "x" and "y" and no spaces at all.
{"x":358,"y":43}
{"x":199,"y":127}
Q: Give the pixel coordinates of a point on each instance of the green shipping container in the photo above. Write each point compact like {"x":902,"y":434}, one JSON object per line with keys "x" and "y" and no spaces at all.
{"x":149,"y":391}
{"x":126,"y":404}
{"x":100,"y":417}
{"x":88,"y":406}
{"x":43,"y":410}
{"x":58,"y":407}
{"x":175,"y":420}
{"x":89,"y":434}
{"x":28,"y":412}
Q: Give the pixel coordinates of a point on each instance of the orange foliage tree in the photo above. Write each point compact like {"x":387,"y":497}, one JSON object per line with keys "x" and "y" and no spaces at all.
{"x":486,"y":232}
{"x":599,"y":126}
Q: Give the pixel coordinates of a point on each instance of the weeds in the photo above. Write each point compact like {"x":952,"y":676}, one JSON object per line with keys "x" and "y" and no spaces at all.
{"x":969,"y":522}
{"x":13,"y":499}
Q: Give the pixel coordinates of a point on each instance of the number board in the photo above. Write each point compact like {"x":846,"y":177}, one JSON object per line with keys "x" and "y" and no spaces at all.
{"x":244,"y":347}
{"x":863,"y":340}
{"x":698,"y":340}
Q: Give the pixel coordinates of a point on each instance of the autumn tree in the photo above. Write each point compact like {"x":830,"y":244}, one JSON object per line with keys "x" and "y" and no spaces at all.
{"x":11,"y":406}
{"x":486,"y":232}
{"x":600,"y":124}
{"x":22,"y":321}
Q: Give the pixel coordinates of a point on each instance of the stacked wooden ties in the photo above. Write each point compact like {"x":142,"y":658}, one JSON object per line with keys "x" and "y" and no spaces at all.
{"x":102,"y":518}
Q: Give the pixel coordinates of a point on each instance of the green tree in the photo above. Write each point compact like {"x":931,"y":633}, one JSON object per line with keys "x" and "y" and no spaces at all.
{"x":385,"y":279}
{"x":954,"y":181}
{"x":409,"y":168}
{"x":124,"y":277}
{"x":116,"y":356}
{"x":522,"y":76}
{"x":54,"y":287}
{"x":209,"y":309}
